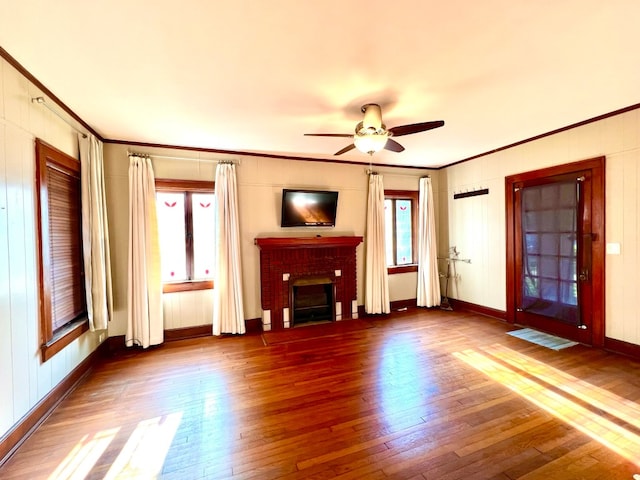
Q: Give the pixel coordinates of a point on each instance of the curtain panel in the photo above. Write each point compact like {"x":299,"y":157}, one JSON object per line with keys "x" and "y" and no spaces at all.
{"x":376,"y":277}
{"x":228,"y":310}
{"x":428,"y":292}
{"x":145,"y":326}
{"x":95,"y":233}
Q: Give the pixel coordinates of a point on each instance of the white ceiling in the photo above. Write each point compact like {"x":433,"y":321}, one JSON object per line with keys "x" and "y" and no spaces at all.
{"x":255,"y":75}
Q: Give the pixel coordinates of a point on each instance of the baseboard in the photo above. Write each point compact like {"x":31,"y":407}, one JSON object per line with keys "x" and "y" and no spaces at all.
{"x":116,"y":343}
{"x":621,"y":347}
{"x":401,"y":305}
{"x":474,"y":308}
{"x":252,"y":325}
{"x":187,"y":332}
{"x":15,"y":437}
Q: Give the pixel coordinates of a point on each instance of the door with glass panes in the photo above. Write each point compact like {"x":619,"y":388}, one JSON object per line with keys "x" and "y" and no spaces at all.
{"x":555,"y":250}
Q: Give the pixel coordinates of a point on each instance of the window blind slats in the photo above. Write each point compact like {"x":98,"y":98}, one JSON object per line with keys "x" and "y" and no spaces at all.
{"x":66,"y":267}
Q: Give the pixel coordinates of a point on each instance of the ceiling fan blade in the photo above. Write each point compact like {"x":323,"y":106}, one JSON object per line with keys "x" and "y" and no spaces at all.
{"x":393,"y":146}
{"x":345,"y":149}
{"x":328,"y":134}
{"x":415,"y":128}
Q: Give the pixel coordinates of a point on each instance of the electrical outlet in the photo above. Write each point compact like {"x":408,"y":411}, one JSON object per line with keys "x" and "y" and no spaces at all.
{"x":101,"y":337}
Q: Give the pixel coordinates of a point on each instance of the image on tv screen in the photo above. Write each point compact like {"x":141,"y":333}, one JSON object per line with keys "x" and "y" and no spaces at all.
{"x":308,"y":208}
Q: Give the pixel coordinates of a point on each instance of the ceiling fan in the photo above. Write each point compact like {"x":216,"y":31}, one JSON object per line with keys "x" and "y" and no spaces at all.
{"x":371,"y":134}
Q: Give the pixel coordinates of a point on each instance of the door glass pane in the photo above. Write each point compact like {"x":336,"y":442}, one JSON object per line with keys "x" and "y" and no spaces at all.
{"x":549,"y":244}
{"x":569,"y":293}
{"x":532,"y":243}
{"x":531,"y":286}
{"x":404,"y":254}
{"x":171,"y":229}
{"x":549,"y":224}
{"x":204,"y":235}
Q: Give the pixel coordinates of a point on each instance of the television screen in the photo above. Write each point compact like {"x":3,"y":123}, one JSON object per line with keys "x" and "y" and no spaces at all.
{"x":309,"y":208}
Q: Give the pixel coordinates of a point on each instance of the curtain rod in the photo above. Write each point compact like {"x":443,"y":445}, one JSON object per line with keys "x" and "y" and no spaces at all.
{"x":370,"y":171}
{"x":42,"y":101}
{"x":193,"y":159}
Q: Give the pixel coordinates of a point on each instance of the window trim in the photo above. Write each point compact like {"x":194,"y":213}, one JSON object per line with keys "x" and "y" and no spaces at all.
{"x":190,"y":186}
{"x":413,"y":196}
{"x":51,"y":342}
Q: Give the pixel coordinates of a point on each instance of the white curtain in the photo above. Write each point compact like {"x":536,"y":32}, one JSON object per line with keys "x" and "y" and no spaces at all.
{"x":428,"y":294}
{"x":376,"y":299}
{"x":95,"y":234}
{"x":228,"y":311}
{"x":145,"y":325}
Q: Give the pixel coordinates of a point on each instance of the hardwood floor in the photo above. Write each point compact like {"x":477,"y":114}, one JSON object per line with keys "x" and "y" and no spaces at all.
{"x":421,"y":395}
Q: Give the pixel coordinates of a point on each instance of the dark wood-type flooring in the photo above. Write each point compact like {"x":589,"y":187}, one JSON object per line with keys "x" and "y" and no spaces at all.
{"x":418,"y":395}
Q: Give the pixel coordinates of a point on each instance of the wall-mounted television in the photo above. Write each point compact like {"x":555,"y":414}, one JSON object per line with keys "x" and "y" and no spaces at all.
{"x":308,"y":208}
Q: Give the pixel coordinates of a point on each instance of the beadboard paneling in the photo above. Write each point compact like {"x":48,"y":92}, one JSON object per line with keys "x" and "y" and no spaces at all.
{"x":476,"y":225}
{"x":187,"y":309}
{"x":24,"y":379}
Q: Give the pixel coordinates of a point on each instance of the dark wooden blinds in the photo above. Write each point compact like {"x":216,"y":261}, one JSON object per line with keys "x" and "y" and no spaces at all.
{"x":65,"y":244}
{"x":62,"y":292}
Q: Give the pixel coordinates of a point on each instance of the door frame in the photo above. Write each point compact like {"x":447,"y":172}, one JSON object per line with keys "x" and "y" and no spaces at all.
{"x":597,"y":168}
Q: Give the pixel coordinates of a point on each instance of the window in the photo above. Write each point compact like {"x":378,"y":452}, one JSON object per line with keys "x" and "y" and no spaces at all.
{"x":186,"y":214}
{"x":63,"y":308}
{"x":401,"y":213}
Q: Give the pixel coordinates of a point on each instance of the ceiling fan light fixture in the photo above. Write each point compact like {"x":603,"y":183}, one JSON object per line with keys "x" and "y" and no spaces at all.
{"x":370,"y":142}
{"x":372,"y":116}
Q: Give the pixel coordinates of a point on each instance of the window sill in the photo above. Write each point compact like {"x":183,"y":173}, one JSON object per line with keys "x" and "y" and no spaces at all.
{"x":402,"y":269}
{"x":187,"y":286}
{"x":63,"y":337}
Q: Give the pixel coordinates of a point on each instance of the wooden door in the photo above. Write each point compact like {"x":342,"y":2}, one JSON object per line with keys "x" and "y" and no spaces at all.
{"x":555,"y":261}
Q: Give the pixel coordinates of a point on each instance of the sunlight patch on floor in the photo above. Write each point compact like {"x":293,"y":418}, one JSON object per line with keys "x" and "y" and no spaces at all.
{"x":82,"y":458}
{"x":539,"y":383}
{"x":613,"y":404}
{"x":144,"y":453}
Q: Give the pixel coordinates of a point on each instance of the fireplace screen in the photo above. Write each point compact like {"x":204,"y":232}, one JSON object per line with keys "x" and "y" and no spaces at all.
{"x":312,"y":300}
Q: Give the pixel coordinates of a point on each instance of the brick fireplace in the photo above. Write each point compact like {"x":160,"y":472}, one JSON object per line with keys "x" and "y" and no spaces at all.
{"x":321,"y":268}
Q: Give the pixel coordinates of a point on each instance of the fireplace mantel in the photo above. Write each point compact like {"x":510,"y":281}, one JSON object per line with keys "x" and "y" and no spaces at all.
{"x":266,"y":243}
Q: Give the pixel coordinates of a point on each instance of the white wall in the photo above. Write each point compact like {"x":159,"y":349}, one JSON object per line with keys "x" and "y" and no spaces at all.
{"x":24,"y":380}
{"x":476,"y":225}
{"x":260,"y":184}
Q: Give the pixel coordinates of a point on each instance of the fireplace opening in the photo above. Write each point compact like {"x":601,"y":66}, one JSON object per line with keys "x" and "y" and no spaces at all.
{"x":312,"y":300}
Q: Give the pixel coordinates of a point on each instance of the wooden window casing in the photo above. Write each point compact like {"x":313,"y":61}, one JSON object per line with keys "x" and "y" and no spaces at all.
{"x":413,"y":196}
{"x":63,"y":309}
{"x":187,"y":187}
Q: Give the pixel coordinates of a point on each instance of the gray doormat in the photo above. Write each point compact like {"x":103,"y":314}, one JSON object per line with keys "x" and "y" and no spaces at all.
{"x":542,"y":339}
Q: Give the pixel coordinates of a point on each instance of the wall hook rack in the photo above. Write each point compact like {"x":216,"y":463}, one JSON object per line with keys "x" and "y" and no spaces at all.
{"x":471,"y":193}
